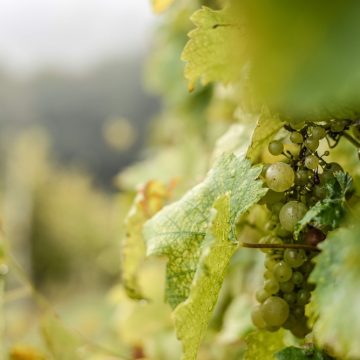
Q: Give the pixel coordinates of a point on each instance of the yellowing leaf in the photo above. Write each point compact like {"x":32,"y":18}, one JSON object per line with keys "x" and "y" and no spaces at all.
{"x":334,"y":306}
{"x":193,"y":315}
{"x":149,"y":200}
{"x":262,"y":345}
{"x":210,"y":54}
{"x":178,"y":231}
{"x":25,"y":352}
{"x":161,"y":5}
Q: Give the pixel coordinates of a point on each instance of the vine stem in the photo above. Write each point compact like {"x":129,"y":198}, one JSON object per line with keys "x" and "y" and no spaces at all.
{"x":280,"y":246}
{"x":351,"y":139}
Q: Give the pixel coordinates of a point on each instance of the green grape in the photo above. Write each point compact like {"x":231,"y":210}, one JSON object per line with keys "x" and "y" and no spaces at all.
{"x":302,"y":177}
{"x":303,"y":297}
{"x":257,"y":318}
{"x":270,"y":263}
{"x":271,"y":198}
{"x":294,"y":257}
{"x":261,"y":295}
{"x":290,"y":298}
{"x":307,"y":267}
{"x":291,"y":213}
{"x":297,"y":125}
{"x":311,"y":162}
{"x":282,"y":271}
{"x":276,"y":147}
{"x":279,"y":177}
{"x":268,"y":275}
{"x":280,"y":231}
{"x":312,"y":144}
{"x":298,"y":311}
{"x":271,"y":286}
{"x":297,"y":278}
{"x":290,"y":322}
{"x":276,"y":208}
{"x":300,"y":329}
{"x":276,"y":240}
{"x":275,"y":311}
{"x":270,"y":225}
{"x":287,"y":286}
{"x":296,"y":138}
{"x":318,"y":132}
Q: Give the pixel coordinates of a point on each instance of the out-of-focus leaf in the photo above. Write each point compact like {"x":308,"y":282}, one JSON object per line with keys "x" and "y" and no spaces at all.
{"x":149,"y":200}
{"x":211,"y":47}
{"x":327,"y":214}
{"x":267,"y":125}
{"x":178,"y":231}
{"x":192,"y":316}
{"x":61,"y":343}
{"x":262,"y":345}
{"x":334,"y":302}
{"x":295,"y":353}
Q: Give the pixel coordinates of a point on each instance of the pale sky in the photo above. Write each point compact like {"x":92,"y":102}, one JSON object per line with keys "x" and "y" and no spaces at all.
{"x":71,"y":33}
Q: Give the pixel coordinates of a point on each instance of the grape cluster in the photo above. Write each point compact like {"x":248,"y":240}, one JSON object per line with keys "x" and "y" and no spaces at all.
{"x":295,"y":184}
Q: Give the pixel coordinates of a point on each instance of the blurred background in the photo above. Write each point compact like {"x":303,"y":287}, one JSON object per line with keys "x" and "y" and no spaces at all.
{"x":73,"y":113}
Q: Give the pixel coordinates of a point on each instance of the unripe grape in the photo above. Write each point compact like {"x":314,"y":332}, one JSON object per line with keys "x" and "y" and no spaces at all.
{"x":296,"y":138}
{"x":307,"y":267}
{"x":311,"y":162}
{"x":291,"y":213}
{"x":302,"y":177}
{"x":275,"y":311}
{"x":279,"y":177}
{"x":271,"y":286}
{"x":261,"y":295}
{"x":290,"y":298}
{"x":287,"y":286}
{"x":334,"y":167}
{"x":282,"y":271}
{"x":318,"y":132}
{"x":297,"y":125}
{"x":276,"y":208}
{"x":337,"y":126}
{"x":299,"y":311}
{"x":257,"y":318}
{"x":297,"y":278}
{"x":272,"y":197}
{"x":276,"y":147}
{"x":303,"y":297}
{"x":294,"y":257}
{"x":319,"y":191}
{"x":312,"y":144}
{"x":300,"y":329}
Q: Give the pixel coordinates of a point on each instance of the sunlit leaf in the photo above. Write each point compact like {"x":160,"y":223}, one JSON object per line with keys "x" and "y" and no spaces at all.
{"x":295,"y":353}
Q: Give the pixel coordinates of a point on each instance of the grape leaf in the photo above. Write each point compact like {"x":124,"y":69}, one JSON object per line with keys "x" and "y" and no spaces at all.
{"x":295,"y":353}
{"x":161,"y":5}
{"x":262,"y":345}
{"x":210,"y":53}
{"x":328,"y":212}
{"x":149,"y":200}
{"x":267,"y":126}
{"x":178,"y":231}
{"x":25,"y":352}
{"x":193,"y":315}
{"x":334,"y":303}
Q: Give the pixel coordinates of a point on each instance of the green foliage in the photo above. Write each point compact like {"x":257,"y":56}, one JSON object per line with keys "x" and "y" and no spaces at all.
{"x":179,"y":230}
{"x":294,"y":353}
{"x":327,"y":214}
{"x":334,"y":303}
{"x":192,"y":316}
{"x":263,"y":345}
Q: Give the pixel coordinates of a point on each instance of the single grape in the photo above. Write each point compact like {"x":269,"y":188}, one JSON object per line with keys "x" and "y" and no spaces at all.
{"x":280,"y":231}
{"x":307,"y":267}
{"x":303,"y":297}
{"x":276,"y":147}
{"x":302,"y":176}
{"x":282,"y":271}
{"x":275,"y":311}
{"x":291,"y":213}
{"x":257,"y":318}
{"x":296,"y":138}
{"x":300,"y":328}
{"x":297,"y":124}
{"x":271,"y":198}
{"x":318,"y":132}
{"x":275,"y":209}
{"x":270,"y":262}
{"x":334,"y":167}
{"x":311,"y":162}
{"x":297,"y":278}
{"x":287,"y":286}
{"x":276,"y":240}
{"x":294,"y":257}
{"x":261,"y":295}
{"x":337,"y":126}
{"x":312,"y":144}
{"x":290,"y":322}
{"x":279,"y":177}
{"x":319,"y":191}
{"x":271,"y":286}
{"x":268,"y":275}
{"x":298,"y":311}
{"x":290,"y":298}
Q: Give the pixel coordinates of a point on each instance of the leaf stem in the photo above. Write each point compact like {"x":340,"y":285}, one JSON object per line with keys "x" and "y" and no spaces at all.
{"x":280,"y":246}
{"x":351,"y":139}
